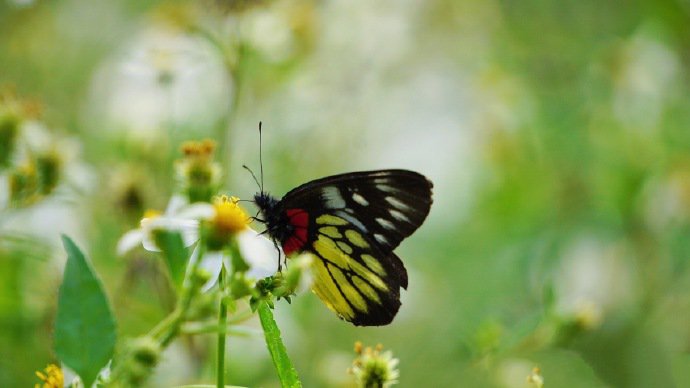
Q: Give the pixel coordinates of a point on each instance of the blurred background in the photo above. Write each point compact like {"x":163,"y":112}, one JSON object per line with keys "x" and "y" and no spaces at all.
{"x":557,"y":135}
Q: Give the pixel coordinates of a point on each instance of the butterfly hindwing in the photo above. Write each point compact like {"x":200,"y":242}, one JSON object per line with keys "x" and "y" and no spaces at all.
{"x":357,"y":279}
{"x":351,"y":223}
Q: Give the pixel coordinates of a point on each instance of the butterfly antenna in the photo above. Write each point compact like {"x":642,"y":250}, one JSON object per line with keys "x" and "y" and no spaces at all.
{"x":253,"y":176}
{"x":261,"y":161}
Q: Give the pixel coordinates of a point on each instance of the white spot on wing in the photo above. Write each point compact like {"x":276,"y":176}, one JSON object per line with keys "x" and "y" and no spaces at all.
{"x":397,"y":203}
{"x":333,"y":199}
{"x":382,"y":177}
{"x":398,"y":215}
{"x":386,"y":188}
{"x":351,"y":220}
{"x":360,"y":200}
{"x":385,"y":223}
{"x":380,"y":238}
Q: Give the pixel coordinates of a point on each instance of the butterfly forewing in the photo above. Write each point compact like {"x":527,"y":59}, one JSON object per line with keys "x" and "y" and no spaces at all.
{"x":351,"y":223}
{"x":388,"y":205}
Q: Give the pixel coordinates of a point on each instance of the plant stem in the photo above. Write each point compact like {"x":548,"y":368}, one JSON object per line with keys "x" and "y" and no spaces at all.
{"x":211,"y":326}
{"x":222,"y":322}
{"x":165,"y":331}
{"x":286,"y":372}
{"x":173,"y":322}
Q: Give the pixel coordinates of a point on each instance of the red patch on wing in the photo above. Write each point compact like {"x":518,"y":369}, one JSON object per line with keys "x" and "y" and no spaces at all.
{"x":299,"y":219}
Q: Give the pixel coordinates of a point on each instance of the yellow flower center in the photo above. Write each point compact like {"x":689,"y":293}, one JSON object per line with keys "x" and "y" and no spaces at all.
{"x":148,"y":216}
{"x":150,"y":213}
{"x":229,"y":217}
{"x":51,"y":378}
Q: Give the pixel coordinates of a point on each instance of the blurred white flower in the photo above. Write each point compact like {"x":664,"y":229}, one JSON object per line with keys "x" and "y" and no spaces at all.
{"x":667,"y":200}
{"x":593,"y":280}
{"x":163,"y":77}
{"x":268,"y":30}
{"x":648,"y":73}
{"x":535,"y":378}
{"x":4,"y":191}
{"x":514,"y":372}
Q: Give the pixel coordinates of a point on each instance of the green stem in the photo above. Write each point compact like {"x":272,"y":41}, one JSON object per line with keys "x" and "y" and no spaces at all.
{"x":222,"y":322}
{"x":213,"y":328}
{"x":170,"y":326}
{"x":177,"y":317}
{"x":206,"y":327}
{"x":286,"y":372}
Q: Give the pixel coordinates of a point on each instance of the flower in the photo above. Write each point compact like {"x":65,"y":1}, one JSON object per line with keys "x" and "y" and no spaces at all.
{"x":51,"y":377}
{"x":54,"y":376}
{"x":536,"y":378}
{"x":37,"y":159}
{"x":225,"y":222}
{"x":222,"y":223}
{"x":163,"y":79}
{"x":179,"y":216}
{"x":198,"y":175}
{"x":594,"y":281}
{"x":374,"y":368}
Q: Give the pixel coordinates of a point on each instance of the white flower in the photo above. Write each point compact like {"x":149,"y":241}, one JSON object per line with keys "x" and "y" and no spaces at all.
{"x":258,"y":252}
{"x":225,"y":215}
{"x":179,"y":216}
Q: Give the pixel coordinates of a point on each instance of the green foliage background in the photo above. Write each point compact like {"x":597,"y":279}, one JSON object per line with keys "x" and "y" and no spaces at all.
{"x":557,"y":135}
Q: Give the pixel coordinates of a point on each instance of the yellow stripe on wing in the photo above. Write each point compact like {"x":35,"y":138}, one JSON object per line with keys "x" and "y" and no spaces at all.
{"x":330,"y":252}
{"x":352,"y":295}
{"x":328,"y":292}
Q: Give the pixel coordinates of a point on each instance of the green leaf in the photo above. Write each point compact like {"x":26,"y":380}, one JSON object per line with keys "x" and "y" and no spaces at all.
{"x":84,"y":326}
{"x":286,"y":372}
{"x":175,"y":254}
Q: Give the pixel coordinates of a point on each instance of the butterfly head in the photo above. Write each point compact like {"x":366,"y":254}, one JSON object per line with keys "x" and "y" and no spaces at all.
{"x":272,"y":216}
{"x":266,"y":203}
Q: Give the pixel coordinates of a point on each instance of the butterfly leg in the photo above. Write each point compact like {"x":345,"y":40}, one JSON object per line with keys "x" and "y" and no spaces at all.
{"x":280,"y":255}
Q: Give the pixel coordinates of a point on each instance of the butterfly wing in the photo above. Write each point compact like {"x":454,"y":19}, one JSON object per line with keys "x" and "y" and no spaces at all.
{"x":351,"y":223}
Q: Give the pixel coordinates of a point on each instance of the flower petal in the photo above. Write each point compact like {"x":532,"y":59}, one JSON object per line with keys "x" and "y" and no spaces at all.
{"x":176,"y":203}
{"x":189,"y":229}
{"x":149,"y":244}
{"x":129,"y":241}
{"x":259,"y":252}
{"x":212,"y":263}
{"x":197,"y":211}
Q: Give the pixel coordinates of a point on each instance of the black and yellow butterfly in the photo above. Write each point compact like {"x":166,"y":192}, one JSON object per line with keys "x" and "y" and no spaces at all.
{"x":351,"y":223}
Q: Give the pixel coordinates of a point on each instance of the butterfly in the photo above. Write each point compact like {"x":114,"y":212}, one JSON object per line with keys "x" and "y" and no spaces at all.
{"x":351,"y":223}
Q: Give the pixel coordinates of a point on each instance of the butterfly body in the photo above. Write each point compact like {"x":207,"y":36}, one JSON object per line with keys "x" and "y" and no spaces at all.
{"x":351,"y":223}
